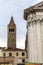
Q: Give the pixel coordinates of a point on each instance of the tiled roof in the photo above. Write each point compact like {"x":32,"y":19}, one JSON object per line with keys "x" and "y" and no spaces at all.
{"x":16,"y":49}
{"x":12,"y":21}
{"x":2,"y":47}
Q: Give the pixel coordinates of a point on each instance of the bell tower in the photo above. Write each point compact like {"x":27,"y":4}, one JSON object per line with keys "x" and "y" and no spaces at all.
{"x":11,"y":42}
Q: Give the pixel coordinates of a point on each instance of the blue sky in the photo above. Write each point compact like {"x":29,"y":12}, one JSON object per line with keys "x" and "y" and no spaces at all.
{"x":14,"y":8}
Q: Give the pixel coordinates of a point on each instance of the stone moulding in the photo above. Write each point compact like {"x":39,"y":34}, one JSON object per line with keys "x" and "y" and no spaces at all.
{"x":32,"y":9}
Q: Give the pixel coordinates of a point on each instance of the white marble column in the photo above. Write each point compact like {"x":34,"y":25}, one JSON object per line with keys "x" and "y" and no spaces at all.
{"x":30,"y":38}
{"x":34,"y":42}
{"x":39,"y":44}
{"x":42,"y":37}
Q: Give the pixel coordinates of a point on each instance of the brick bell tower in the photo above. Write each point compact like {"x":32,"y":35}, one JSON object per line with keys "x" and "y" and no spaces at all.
{"x":11,"y":42}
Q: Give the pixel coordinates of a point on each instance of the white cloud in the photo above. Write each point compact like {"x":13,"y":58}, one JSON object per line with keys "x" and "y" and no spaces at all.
{"x":21,"y":43}
{"x":3,"y":43}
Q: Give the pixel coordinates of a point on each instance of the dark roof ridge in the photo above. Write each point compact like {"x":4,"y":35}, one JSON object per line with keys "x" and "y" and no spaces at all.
{"x":16,"y":49}
{"x":2,"y":47}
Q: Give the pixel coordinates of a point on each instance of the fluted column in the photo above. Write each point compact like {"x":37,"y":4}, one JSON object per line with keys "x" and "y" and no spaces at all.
{"x":39,"y":44}
{"x":42,"y":37}
{"x":30,"y":38}
{"x":35,"y":39}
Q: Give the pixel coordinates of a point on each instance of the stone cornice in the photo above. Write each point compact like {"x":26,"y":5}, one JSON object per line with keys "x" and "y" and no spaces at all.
{"x":26,"y":13}
{"x":33,"y":9}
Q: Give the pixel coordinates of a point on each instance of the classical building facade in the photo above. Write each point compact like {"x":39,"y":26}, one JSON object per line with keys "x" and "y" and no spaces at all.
{"x":34,"y":17}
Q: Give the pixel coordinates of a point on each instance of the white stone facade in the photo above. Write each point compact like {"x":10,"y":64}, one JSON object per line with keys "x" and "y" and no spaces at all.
{"x":35,"y":37}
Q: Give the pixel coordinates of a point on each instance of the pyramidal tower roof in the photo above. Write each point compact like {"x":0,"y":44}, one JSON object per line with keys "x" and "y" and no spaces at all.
{"x":12,"y":21}
{"x":34,"y":8}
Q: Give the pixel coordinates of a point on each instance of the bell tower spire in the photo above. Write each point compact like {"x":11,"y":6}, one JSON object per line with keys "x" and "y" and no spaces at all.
{"x":11,"y":34}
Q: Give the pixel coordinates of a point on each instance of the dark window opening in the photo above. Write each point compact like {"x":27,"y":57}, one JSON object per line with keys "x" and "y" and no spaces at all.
{"x":21,"y":64}
{"x":23,"y":54}
{"x":11,"y":30}
{"x":4,"y":54}
{"x":39,"y":6}
{"x":10,"y":54}
{"x":23,"y":60}
{"x":42,"y":4}
{"x":17,"y":54}
{"x":12,"y":39}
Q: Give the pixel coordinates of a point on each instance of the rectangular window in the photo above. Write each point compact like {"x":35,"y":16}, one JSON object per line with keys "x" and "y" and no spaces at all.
{"x":17,"y":54}
{"x":4,"y":54}
{"x":11,"y":30}
{"x":23,"y":60}
{"x":21,"y":64}
{"x":23,"y":54}
{"x":10,"y":54}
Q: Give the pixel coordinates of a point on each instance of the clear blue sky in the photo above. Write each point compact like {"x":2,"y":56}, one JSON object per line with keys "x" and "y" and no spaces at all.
{"x":14,"y":8}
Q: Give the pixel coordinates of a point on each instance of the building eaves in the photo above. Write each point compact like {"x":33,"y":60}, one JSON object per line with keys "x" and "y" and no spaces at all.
{"x":34,"y":8}
{"x":17,"y":49}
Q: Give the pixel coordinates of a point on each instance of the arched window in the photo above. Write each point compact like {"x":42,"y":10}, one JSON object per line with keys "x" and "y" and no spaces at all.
{"x":11,"y":30}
